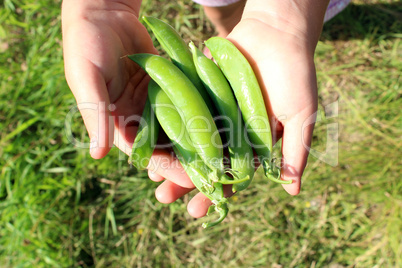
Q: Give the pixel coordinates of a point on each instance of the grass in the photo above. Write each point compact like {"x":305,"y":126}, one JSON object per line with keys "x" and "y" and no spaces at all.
{"x":61,"y":208}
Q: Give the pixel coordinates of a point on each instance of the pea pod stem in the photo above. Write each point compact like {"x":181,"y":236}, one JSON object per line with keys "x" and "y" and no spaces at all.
{"x":273,"y":172}
{"x":219,"y":203}
{"x":222,"y":209}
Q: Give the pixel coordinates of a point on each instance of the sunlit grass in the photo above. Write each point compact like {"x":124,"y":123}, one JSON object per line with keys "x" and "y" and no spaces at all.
{"x":59,"y":207}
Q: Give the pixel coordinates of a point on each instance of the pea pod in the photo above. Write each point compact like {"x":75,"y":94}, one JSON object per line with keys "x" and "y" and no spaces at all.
{"x":174,"y":128}
{"x":176,"y":48}
{"x":245,"y":86}
{"x":145,"y":139}
{"x":240,"y":152}
{"x":171,"y":122}
{"x":195,"y":114}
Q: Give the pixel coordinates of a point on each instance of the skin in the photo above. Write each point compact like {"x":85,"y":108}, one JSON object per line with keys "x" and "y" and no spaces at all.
{"x":96,"y":34}
{"x":286,"y":72}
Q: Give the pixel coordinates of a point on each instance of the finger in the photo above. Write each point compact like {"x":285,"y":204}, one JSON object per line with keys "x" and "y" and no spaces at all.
{"x":127,"y":110}
{"x":295,"y":148}
{"x":89,"y":89}
{"x":162,"y":162}
{"x":198,"y":205}
{"x":166,"y":165}
{"x":154,"y":176}
{"x":168,"y":192}
{"x":88,"y":84}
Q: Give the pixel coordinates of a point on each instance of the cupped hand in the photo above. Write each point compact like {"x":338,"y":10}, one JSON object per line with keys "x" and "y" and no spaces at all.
{"x":110,"y":89}
{"x":284,"y":64}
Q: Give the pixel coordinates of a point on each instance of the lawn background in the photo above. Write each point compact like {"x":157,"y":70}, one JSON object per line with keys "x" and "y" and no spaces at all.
{"x":60,"y":208}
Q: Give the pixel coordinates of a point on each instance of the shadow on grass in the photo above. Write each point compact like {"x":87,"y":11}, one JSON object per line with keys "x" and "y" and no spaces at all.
{"x":363,"y":21}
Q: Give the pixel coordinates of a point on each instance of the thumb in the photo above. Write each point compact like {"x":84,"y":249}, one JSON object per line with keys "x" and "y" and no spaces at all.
{"x":90,"y":91}
{"x":295,"y":148}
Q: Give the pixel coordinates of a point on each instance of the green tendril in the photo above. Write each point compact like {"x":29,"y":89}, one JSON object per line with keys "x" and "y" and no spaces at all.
{"x":273,"y":173}
{"x":221,"y":208}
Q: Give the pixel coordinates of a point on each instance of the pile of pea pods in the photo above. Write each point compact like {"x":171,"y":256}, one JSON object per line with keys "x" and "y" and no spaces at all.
{"x":189,"y":96}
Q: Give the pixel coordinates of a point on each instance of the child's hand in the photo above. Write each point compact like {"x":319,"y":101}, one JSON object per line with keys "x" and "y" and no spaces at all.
{"x":111,"y":90}
{"x":95,"y":38}
{"x":284,"y":65}
{"x":285,"y":68}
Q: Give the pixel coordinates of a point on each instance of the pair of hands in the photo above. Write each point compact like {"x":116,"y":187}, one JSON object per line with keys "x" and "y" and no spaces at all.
{"x":95,"y":39}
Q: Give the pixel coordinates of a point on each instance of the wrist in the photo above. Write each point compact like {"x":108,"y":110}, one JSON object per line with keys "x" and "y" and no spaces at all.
{"x":300,"y":19}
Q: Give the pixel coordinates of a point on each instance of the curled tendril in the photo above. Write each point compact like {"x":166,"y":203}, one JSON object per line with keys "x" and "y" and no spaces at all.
{"x":222,"y":208}
{"x":272,"y":172}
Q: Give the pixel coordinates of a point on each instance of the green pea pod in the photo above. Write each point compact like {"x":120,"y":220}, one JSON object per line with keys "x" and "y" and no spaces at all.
{"x":245,"y":86}
{"x":177,"y":50}
{"x":173,"y":126}
{"x":195,"y":114}
{"x":145,"y":139}
{"x":240,"y":151}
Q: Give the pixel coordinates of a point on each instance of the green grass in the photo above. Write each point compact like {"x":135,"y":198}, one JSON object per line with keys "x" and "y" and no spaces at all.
{"x":59,"y":207}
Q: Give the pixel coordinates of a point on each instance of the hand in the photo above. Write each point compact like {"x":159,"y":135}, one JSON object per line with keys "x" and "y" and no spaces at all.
{"x":285,"y":69}
{"x":111,"y":90}
{"x":95,"y":37}
{"x":284,"y":65}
